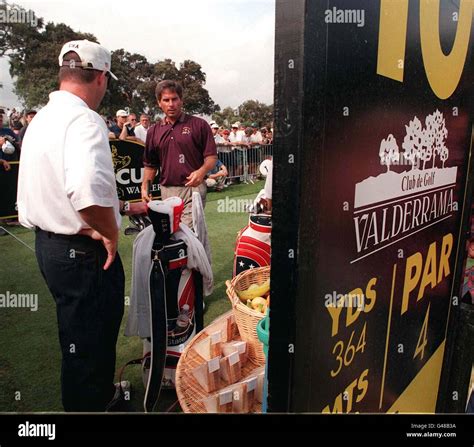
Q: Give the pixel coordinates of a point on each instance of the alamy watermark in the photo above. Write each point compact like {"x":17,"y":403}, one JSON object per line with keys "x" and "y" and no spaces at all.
{"x":30,"y":430}
{"x":14,"y":14}
{"x":229,"y":205}
{"x":19,"y":300}
{"x":354,"y":300}
{"x":335,"y":15}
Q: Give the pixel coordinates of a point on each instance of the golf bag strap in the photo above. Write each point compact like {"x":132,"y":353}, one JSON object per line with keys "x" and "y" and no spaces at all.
{"x":159,"y":338}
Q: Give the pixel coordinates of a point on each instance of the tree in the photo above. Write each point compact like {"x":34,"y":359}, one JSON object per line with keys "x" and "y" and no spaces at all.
{"x":252,"y":111}
{"x":440,"y":135}
{"x":226,"y":117}
{"x":133,"y":72}
{"x":166,"y":69}
{"x":196,"y":99}
{"x":18,"y":36}
{"x":33,"y":53}
{"x":247,"y":113}
{"x":161,"y":70}
{"x":413,"y":142}
{"x":389,"y":151}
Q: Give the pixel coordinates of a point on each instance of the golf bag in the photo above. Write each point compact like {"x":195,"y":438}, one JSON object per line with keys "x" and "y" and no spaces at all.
{"x":253,"y":245}
{"x":170,"y":312}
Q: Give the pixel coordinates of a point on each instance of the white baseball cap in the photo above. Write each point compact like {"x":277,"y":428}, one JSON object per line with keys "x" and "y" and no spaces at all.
{"x":93,"y":56}
{"x":215,"y":126}
{"x":121,"y":113}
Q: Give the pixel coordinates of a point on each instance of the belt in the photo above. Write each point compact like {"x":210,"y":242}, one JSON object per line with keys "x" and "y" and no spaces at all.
{"x":64,"y":237}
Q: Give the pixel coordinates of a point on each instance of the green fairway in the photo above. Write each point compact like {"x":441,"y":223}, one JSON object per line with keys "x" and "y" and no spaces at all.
{"x":29,"y":347}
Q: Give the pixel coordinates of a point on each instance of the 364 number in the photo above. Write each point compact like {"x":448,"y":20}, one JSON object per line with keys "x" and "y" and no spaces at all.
{"x":345,"y":354}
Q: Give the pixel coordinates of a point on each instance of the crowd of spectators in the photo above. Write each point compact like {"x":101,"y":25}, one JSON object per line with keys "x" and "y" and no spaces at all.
{"x":13,"y":125}
{"x":236,"y":145}
{"x":126,"y":126}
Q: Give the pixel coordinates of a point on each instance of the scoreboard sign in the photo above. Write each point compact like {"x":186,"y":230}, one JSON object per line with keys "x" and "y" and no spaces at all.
{"x":372,"y":172}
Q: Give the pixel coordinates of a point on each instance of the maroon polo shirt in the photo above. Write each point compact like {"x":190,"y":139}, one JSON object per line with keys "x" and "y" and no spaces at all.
{"x":179,"y":149}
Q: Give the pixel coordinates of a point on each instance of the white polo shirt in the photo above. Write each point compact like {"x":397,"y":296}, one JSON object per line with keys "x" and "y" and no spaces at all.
{"x":236,"y":137}
{"x":140,"y":132}
{"x":66,"y":166}
{"x":256,"y":137}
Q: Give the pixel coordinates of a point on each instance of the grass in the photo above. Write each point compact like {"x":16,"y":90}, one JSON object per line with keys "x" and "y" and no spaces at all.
{"x":29,"y":346}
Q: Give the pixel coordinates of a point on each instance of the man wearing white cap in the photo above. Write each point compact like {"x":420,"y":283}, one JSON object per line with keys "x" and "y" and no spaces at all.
{"x":215,"y":132}
{"x":123,"y":130}
{"x":67,"y":193}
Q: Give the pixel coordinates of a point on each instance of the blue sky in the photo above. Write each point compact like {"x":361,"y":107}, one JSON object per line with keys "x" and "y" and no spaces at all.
{"x":233,"y":40}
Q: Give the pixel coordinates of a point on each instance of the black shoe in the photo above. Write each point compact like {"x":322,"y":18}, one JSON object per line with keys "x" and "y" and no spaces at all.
{"x":2,"y":232}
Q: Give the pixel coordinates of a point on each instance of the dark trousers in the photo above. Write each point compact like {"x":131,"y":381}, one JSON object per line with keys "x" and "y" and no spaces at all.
{"x":89,"y":305}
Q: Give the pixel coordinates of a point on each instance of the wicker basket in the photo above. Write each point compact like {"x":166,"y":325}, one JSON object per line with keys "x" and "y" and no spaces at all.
{"x":190,"y":393}
{"x":246,"y":318}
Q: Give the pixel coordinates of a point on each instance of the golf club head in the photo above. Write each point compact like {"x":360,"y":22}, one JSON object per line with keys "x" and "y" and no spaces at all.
{"x":131,"y":231}
{"x":137,"y":224}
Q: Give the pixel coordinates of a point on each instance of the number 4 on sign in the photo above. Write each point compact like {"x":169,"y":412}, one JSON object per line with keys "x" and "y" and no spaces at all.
{"x":423,"y":338}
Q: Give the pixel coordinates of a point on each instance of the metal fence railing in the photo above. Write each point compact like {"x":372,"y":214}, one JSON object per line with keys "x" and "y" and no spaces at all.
{"x":242,"y":162}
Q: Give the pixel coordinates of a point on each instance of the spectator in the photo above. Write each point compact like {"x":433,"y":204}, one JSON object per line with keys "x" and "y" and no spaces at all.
{"x":142,"y":129}
{"x":224,"y":149}
{"x":256,"y":137}
{"x":29,"y":115}
{"x":217,"y":176}
{"x":226,"y":135}
{"x":132,"y":119}
{"x":269,"y":138}
{"x":123,"y":130}
{"x":109,"y":121}
{"x":8,"y":143}
{"x":6,"y":166}
{"x":13,"y":116}
{"x":236,"y":136}
{"x":247,"y":138}
{"x":250,"y":154}
{"x":215,"y":132}
{"x":17,"y":126}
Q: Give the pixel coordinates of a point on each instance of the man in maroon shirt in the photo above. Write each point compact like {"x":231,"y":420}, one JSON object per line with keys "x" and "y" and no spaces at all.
{"x":182,"y":147}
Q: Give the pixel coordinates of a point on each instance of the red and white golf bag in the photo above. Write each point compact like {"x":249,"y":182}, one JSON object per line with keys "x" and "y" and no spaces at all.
{"x":253,"y":245}
{"x":167,"y":296}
